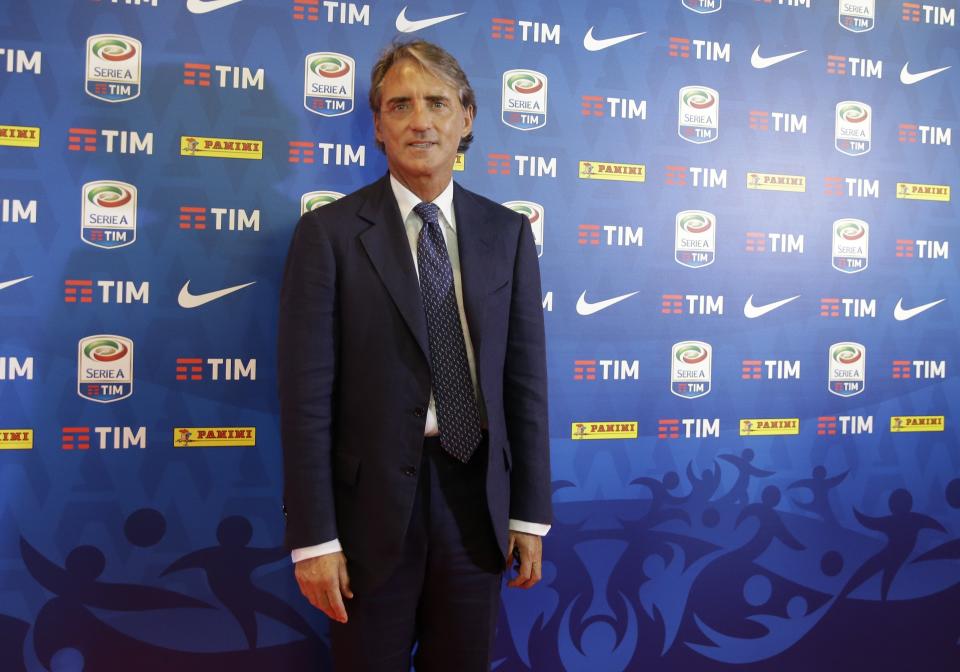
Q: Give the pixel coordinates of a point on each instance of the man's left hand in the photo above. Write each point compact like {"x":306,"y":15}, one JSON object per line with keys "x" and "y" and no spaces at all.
{"x":530,"y":549}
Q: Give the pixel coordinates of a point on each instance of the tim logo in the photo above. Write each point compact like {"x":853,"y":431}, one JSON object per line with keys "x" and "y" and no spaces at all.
{"x":690,"y":369}
{"x":853,"y":122}
{"x":847,"y":366}
{"x":534,"y":212}
{"x":113,"y":67}
{"x":328,"y":83}
{"x":695,"y":244}
{"x":857,"y":16}
{"x":698,"y":117}
{"x":524,"y":103}
{"x":314,"y":199}
{"x":108,"y":214}
{"x":851,"y":244}
{"x":105,"y":368}
{"x":703,"y":6}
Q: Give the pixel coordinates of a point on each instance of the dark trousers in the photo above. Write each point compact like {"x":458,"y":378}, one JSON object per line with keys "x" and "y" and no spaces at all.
{"x":445,"y":593}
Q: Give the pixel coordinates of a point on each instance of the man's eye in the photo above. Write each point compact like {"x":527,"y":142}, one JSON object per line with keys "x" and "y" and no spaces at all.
{"x":439,"y":104}
{"x":399,"y":107}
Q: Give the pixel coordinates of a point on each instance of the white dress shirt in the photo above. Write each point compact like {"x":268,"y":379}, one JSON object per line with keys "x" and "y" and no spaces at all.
{"x":407,"y":200}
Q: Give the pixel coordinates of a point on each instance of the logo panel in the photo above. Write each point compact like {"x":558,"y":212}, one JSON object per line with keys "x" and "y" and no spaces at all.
{"x":851,"y":245}
{"x":703,"y":6}
{"x":620,"y":172}
{"x":603,"y":430}
{"x":769,"y":426}
{"x":113,"y":67}
{"x":923,"y":192}
{"x":847,"y":369}
{"x":917,"y":423}
{"x":524,"y":102}
{"x":214,"y":437}
{"x":328,"y":79}
{"x":690,"y":369}
{"x":16,"y":439}
{"x":852,"y":132}
{"x":857,"y":16}
{"x":105,"y":368}
{"x":222,"y":148}
{"x":534,"y":212}
{"x":695,"y":243}
{"x":314,"y":199}
{"x":698,"y":116}
{"x":108,"y":216}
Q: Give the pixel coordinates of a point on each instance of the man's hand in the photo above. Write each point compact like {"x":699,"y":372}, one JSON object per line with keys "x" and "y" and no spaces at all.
{"x":530,"y":548}
{"x":324,"y":581}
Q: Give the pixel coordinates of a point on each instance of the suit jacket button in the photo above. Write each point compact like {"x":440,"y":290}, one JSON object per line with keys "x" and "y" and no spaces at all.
{"x":409,"y":471}
{"x":419,"y":412}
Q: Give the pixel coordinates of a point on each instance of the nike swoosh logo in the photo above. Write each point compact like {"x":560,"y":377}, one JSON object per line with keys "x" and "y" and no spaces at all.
{"x":908,"y":77}
{"x":188,"y":300}
{"x":405,"y":25}
{"x":11,"y":283}
{"x":761,"y":62}
{"x":205,"y":6}
{"x":900,"y":313}
{"x":751,"y":311}
{"x":584,"y":307}
{"x":590,"y":43}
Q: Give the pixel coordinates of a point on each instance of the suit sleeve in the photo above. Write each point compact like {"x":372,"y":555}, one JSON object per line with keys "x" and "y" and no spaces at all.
{"x":525,"y":389}
{"x":306,"y":371}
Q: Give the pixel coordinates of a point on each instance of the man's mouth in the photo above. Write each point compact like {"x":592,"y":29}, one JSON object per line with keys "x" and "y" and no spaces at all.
{"x":421,"y":145}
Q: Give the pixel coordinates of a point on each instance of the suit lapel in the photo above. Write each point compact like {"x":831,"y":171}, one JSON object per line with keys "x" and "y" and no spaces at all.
{"x":477,"y":262}
{"x":387,"y":246}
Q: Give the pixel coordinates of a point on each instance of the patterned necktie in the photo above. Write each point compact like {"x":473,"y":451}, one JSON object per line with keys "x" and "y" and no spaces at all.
{"x":457,"y":414}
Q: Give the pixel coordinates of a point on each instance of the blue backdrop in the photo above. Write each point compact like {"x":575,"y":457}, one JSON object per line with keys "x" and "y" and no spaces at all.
{"x":744,"y":213}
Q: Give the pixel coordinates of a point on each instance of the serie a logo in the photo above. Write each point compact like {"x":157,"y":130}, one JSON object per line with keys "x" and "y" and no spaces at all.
{"x":315,"y":199}
{"x":695,"y":244}
{"x":852,"y":129}
{"x":698,"y":115}
{"x":328,"y":79}
{"x":534,"y":212}
{"x":857,"y":16}
{"x":847,"y":369}
{"x":108,"y":216}
{"x":524,"y":102}
{"x":851,"y":245}
{"x":105,"y":368}
{"x":113,"y":67}
{"x":690,"y":370}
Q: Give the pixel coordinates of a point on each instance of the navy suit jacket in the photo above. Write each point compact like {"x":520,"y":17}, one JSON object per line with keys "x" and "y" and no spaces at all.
{"x":354,"y":372}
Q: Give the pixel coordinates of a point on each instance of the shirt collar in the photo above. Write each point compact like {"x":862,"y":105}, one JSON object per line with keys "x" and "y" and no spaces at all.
{"x":407,"y":200}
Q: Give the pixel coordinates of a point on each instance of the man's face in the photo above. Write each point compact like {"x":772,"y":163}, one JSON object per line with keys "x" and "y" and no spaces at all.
{"x":420,"y":123}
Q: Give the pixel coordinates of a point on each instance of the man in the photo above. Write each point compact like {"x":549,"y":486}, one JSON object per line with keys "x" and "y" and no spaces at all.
{"x":413,"y":391}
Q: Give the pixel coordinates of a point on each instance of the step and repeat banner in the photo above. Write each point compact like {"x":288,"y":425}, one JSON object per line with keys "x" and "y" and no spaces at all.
{"x":744,"y":211}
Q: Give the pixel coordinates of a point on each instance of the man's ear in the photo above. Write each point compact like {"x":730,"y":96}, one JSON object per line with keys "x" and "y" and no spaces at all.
{"x":468,"y":114}
{"x":376,"y":127}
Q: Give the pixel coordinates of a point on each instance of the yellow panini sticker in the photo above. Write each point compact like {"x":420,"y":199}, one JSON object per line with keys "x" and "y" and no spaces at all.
{"x":923,"y":192}
{"x":603,"y":430}
{"x":460,"y":162}
{"x":19,"y":136}
{"x":623,"y":172}
{"x":769,"y":426}
{"x":222,"y":148}
{"x":776,"y":182}
{"x":916,"y":423}
{"x":210,"y":437}
{"x":16,"y":439}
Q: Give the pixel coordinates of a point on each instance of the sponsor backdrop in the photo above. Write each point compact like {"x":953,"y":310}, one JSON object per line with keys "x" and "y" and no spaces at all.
{"x":744,"y":213}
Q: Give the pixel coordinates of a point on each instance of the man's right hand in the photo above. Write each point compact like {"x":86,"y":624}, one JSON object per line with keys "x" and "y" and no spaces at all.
{"x":324,"y":581}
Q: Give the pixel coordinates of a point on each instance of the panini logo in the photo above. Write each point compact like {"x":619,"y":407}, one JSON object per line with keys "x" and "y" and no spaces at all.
{"x":214,"y":437}
{"x":698,"y":116}
{"x":923,"y":192}
{"x":314,"y":199}
{"x":857,"y":16}
{"x":847,"y":369}
{"x":690,"y":371}
{"x":524,"y":102}
{"x":459,"y":163}
{"x":603,"y":430}
{"x":20,"y":439}
{"x":108,"y":214}
{"x":221,"y":148}
{"x":917,"y":423}
{"x":328,"y":83}
{"x":105,"y":368}
{"x":695,"y":243}
{"x":113,"y":67}
{"x":623,"y":172}
{"x":19,"y":136}
{"x":776,"y":182}
{"x":853,"y":128}
{"x":851,"y":245}
{"x":769,"y":426}
{"x":534,"y":212}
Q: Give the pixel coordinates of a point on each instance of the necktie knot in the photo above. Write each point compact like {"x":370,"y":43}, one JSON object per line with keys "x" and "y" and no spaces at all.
{"x":428,"y":212}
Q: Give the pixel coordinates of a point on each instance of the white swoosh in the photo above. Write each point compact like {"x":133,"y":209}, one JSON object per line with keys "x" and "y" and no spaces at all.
{"x":751,"y":311}
{"x":584,"y":307}
{"x":900,"y":313}
{"x":404,"y":25}
{"x":908,"y":77}
{"x":760,"y":62}
{"x":204,"y":6}
{"x":188,"y":300}
{"x":11,"y":283}
{"x":590,"y":43}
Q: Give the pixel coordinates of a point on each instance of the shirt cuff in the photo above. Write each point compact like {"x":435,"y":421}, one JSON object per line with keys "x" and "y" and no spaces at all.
{"x":538,"y":529}
{"x":315,"y":551}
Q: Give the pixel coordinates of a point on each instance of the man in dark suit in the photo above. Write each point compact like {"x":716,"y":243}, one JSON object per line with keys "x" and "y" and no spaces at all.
{"x":413,"y":391}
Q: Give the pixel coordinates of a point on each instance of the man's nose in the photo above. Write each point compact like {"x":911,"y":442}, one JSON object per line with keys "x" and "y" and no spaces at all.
{"x":420,"y":119}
